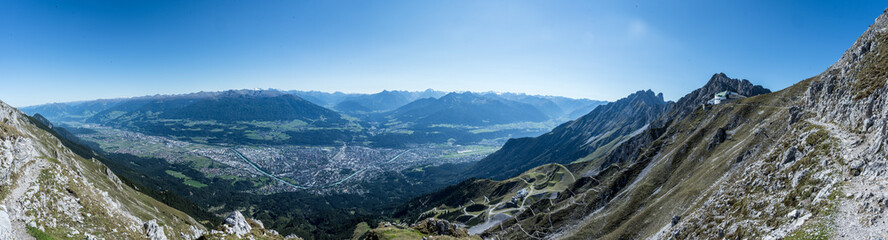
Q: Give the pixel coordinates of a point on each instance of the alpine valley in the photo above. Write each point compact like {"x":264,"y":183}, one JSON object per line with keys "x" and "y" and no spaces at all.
{"x":729,"y":160}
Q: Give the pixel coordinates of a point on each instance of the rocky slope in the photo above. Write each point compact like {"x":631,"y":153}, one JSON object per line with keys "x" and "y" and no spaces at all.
{"x":480,"y":204}
{"x":850,"y":98}
{"x":236,"y":226}
{"x":47,"y":190}
{"x":431,"y":229}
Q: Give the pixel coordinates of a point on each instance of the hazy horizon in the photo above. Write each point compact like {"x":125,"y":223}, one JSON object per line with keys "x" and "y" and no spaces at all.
{"x":288,"y":90}
{"x":60,"y":51}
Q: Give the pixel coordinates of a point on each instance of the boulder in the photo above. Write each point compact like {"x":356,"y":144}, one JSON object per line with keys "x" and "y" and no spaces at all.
{"x":856,"y":167}
{"x":720,"y":136}
{"x":794,"y":214}
{"x":790,"y":155}
{"x":237,"y":224}
{"x":795,"y":114}
{"x":153,"y":231}
{"x":434,"y":226}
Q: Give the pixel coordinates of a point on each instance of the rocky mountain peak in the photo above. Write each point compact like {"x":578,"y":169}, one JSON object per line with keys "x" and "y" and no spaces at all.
{"x":645,"y":96}
{"x":252,"y":93}
{"x":43,"y":120}
{"x":719,"y":82}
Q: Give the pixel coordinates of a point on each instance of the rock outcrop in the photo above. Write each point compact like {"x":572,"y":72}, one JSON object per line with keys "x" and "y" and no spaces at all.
{"x":434,"y":226}
{"x":430,"y":228}
{"x":239,"y":227}
{"x":5,"y":225}
{"x":237,"y":224}
{"x":47,"y":189}
{"x":852,"y":93}
{"x":153,"y":231}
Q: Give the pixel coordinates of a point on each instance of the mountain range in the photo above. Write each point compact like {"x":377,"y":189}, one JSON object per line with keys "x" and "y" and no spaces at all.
{"x":466,"y":109}
{"x":278,"y":117}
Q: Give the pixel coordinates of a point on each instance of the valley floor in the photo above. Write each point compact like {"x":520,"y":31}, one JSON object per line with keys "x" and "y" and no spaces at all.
{"x":283,"y":168}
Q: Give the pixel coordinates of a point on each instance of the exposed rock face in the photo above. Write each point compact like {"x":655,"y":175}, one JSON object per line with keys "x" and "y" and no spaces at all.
{"x":719,"y":82}
{"x":852,"y":92}
{"x":790,"y":155}
{"x":5,"y":225}
{"x":434,"y":226}
{"x":852,"y":95}
{"x":720,"y":136}
{"x":153,"y":231}
{"x":239,"y":227}
{"x":48,"y":187}
{"x":237,"y":224}
{"x":848,"y":93}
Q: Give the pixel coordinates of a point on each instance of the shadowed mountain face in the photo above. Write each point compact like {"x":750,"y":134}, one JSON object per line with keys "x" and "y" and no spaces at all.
{"x":466,"y":109}
{"x":232,"y":107}
{"x":228,"y":106}
{"x":237,"y":116}
{"x":360,"y":103}
{"x":379,"y":102}
{"x":605,"y":126}
{"x":72,"y":112}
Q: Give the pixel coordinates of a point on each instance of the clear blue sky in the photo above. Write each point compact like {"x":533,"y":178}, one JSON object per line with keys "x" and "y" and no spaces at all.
{"x":55,"y":51}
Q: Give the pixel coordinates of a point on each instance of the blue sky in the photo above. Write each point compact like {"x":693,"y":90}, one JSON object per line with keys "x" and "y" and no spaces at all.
{"x":56,"y":51}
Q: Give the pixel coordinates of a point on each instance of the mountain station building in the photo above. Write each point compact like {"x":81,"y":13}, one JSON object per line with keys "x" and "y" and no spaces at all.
{"x":724,"y":97}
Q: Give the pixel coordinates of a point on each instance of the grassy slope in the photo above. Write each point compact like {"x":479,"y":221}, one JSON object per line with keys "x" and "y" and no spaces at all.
{"x":676,"y":173}
{"x":470,"y":195}
{"x":64,"y":175}
{"x":687,"y":170}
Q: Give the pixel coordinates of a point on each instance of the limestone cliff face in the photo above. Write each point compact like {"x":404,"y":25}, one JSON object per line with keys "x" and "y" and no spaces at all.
{"x":46,"y":189}
{"x":852,"y":92}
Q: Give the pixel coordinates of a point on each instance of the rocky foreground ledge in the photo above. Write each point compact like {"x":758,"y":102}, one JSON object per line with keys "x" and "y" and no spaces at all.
{"x":236,"y":226}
